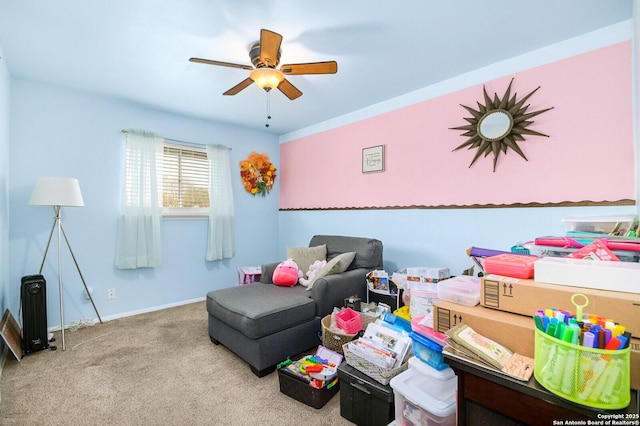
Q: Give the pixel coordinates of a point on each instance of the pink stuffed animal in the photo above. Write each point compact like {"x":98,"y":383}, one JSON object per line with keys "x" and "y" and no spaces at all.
{"x":286,"y":273}
{"x":314,"y":268}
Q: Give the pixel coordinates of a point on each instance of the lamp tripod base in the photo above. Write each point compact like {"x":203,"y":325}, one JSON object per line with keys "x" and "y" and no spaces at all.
{"x":57,"y":224}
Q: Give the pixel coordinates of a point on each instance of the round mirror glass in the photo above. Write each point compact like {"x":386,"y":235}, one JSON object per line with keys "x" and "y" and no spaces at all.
{"x":495,"y":125}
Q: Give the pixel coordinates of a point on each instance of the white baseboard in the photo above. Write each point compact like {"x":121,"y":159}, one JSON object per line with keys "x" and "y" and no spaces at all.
{"x":92,"y":321}
{"x":153,"y":309}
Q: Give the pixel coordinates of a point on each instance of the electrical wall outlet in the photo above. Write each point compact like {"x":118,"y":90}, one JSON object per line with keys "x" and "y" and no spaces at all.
{"x":111,"y":293}
{"x":86,"y":295}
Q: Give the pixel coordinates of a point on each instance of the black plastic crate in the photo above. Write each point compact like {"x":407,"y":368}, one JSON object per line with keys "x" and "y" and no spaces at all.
{"x":363,"y":400}
{"x":302,"y":391}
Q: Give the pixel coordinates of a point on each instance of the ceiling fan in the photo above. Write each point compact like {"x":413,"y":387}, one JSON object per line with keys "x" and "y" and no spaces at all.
{"x":265,"y":56}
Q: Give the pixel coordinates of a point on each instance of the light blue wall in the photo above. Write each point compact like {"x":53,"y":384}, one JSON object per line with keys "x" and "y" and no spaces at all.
{"x":59,"y":132}
{"x":438,"y":238}
{"x":5,"y":287}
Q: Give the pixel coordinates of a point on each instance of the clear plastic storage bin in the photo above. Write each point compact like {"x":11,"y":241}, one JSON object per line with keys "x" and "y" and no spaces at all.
{"x":415,"y":406}
{"x":463,"y":289}
{"x":616,"y":225}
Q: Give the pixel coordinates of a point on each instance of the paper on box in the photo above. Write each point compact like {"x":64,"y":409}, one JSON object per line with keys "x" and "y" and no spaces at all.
{"x":525,"y":297}
{"x":421,"y":304}
{"x":510,"y":330}
{"x":603,"y":275}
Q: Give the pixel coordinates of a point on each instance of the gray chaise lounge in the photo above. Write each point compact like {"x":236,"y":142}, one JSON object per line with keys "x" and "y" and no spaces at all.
{"x":264,"y":324}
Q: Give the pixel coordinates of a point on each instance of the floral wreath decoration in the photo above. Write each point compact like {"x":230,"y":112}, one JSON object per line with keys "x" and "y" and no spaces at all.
{"x":257,"y":173}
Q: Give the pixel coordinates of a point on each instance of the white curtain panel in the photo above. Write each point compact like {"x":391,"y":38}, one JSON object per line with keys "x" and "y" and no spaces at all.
{"x":221,"y":242}
{"x":139,"y":244}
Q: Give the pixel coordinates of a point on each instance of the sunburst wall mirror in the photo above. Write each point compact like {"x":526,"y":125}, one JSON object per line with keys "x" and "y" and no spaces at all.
{"x":498,"y":125}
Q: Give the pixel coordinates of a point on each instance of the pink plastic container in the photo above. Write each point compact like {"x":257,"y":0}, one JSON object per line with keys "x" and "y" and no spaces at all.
{"x":349,"y":321}
{"x":427,"y":332}
{"x":510,"y":265}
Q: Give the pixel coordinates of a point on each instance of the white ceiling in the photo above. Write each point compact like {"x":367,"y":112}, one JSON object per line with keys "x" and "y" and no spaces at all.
{"x":138,"y":50}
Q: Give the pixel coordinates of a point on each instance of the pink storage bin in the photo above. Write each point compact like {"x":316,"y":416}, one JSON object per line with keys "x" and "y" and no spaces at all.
{"x":349,"y":321}
{"x":510,"y":265}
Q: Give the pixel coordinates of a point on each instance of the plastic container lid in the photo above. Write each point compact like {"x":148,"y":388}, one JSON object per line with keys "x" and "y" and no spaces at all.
{"x":426,"y":342}
{"x":462,"y":289}
{"x":429,"y":351}
{"x":428,"y":332}
{"x":411,"y":385}
{"x":397,"y":323}
{"x":427,"y":370}
{"x":427,"y":294}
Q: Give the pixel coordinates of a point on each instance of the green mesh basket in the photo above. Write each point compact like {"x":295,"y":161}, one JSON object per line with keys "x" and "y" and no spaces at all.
{"x":593,"y":377}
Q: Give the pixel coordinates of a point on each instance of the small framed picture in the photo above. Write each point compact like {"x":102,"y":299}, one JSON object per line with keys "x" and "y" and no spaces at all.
{"x":373,"y":159}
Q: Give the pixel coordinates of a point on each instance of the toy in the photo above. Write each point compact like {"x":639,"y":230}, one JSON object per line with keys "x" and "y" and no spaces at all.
{"x":318,"y":368}
{"x":314,"y":268}
{"x":286,"y":273}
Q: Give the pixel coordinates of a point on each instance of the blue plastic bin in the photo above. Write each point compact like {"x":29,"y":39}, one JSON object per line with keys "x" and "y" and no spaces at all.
{"x":428,"y":351}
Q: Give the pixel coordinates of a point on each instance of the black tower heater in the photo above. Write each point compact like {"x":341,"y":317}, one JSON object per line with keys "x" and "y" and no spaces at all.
{"x":33,"y":295}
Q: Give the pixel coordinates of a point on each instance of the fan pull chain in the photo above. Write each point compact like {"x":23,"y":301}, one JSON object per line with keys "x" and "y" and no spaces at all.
{"x":268,"y":108}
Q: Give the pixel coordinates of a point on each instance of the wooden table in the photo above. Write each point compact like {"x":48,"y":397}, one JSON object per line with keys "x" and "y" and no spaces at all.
{"x":489,"y":398}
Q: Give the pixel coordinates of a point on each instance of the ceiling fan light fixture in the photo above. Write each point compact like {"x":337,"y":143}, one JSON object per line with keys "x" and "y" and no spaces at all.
{"x":266,"y":78}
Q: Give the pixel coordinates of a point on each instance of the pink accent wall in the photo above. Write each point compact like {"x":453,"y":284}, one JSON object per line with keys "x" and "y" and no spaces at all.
{"x":587,"y":156}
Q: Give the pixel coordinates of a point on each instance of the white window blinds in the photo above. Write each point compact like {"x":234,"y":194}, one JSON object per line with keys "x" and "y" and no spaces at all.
{"x":185,"y":177}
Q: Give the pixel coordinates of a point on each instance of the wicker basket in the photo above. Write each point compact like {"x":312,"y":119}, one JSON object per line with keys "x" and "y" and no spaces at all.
{"x":333,"y":340}
{"x":366,"y":320}
{"x":379,"y":374}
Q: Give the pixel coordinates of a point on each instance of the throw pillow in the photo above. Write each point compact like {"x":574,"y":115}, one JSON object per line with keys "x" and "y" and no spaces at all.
{"x":337,"y":265}
{"x":305,"y":256}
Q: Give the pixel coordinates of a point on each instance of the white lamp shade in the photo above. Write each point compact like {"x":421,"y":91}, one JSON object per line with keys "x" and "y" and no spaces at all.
{"x":57,"y":191}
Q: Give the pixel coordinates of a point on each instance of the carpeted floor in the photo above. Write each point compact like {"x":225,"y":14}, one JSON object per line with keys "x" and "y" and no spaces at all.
{"x":158,"y":368}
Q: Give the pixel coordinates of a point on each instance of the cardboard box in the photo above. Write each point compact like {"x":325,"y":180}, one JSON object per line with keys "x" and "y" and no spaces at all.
{"x":602,"y":274}
{"x":525,"y":297}
{"x":513,"y":331}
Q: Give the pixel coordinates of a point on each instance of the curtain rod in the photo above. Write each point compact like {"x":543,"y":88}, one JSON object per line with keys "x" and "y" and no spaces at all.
{"x":200,"y":145}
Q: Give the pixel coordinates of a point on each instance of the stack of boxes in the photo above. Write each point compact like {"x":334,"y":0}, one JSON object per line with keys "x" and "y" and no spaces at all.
{"x":500,"y":308}
{"x":426,"y":393}
{"x":507,"y":305}
{"x":423,"y":287}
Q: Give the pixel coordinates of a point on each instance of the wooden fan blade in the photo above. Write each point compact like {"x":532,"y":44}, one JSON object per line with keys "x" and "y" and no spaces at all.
{"x":222,"y":64}
{"x":289,"y":90}
{"x":238,"y":87}
{"x":329,"y":67}
{"x":270,"y":47}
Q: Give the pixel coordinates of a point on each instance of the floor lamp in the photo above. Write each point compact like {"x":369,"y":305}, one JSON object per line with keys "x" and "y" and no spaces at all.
{"x":60,"y":192}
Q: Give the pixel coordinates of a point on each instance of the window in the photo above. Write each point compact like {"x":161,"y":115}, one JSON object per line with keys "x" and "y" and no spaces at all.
{"x":172,"y":180}
{"x":183,"y":180}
